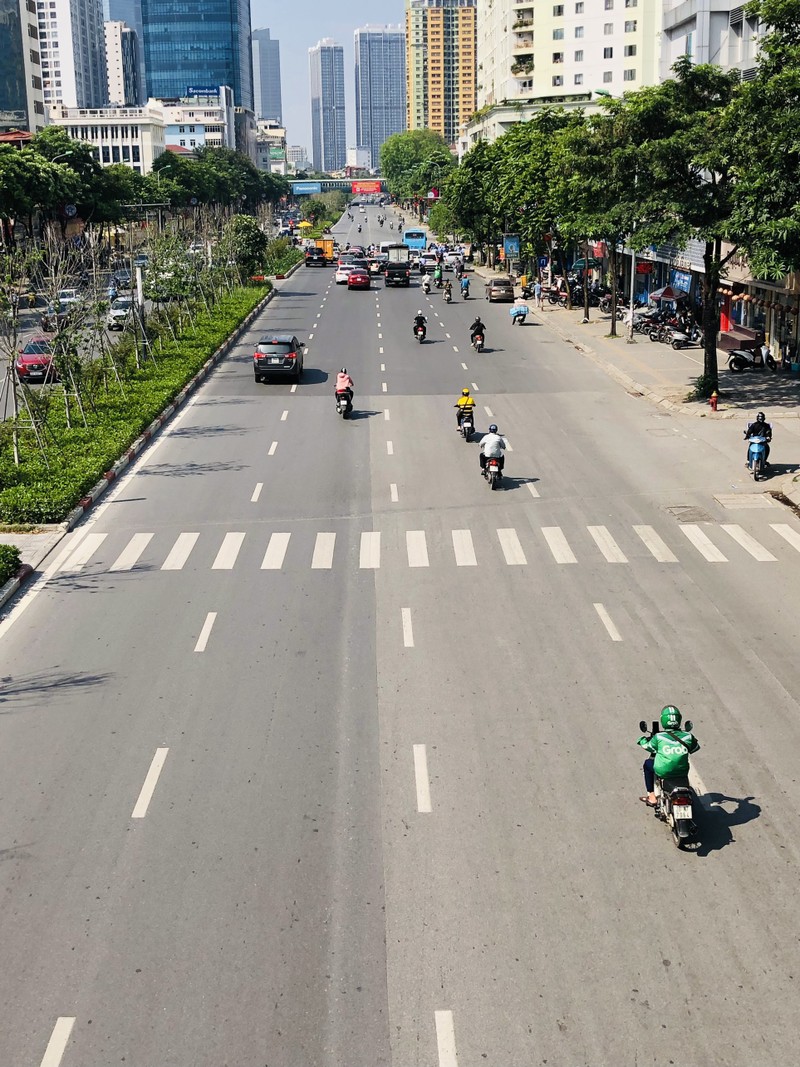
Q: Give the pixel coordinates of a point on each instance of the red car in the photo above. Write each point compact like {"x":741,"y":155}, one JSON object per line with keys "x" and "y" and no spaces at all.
{"x":358,"y":278}
{"x":35,"y":361}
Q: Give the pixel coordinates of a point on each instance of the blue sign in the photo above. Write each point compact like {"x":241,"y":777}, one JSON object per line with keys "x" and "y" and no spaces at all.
{"x":511,"y":245}
{"x":306,"y":188}
{"x":202,"y":90}
{"x":543,"y":261}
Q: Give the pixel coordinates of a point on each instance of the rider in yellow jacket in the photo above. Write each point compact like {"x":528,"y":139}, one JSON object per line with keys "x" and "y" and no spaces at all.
{"x":464,"y":403}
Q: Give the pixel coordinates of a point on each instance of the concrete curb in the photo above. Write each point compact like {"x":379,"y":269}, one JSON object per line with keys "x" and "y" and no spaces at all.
{"x":13,"y":585}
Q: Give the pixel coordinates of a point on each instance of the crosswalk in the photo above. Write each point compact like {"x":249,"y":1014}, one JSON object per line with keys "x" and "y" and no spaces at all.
{"x":420,"y":549}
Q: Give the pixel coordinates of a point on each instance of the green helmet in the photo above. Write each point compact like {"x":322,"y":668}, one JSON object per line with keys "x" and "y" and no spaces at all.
{"x":670,"y":717}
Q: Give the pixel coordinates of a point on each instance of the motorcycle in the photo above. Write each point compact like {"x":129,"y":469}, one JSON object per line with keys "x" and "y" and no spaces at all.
{"x":344,"y":404}
{"x":757,"y":457}
{"x":467,"y":425}
{"x":492,"y":472}
{"x":518,"y":315}
{"x":447,"y":295}
{"x":477,"y":342}
{"x":465,"y":291}
{"x":675,"y":799}
{"x":419,"y":333}
{"x":426,"y":285}
{"x":741,"y":360}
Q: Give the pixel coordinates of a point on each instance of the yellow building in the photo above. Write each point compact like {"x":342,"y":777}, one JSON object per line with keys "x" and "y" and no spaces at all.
{"x":441,"y":43}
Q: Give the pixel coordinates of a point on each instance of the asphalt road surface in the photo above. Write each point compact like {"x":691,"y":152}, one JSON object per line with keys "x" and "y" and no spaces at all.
{"x":317,"y":753}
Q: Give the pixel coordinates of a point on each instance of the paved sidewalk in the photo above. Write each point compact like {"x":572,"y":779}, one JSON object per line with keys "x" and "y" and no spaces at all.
{"x":35,"y":544}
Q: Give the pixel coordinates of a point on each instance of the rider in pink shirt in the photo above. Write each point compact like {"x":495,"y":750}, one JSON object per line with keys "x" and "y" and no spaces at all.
{"x":344,"y":381}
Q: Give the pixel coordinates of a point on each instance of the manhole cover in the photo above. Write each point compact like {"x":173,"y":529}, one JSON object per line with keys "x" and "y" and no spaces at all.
{"x":745,"y":500}
{"x":689,"y":513}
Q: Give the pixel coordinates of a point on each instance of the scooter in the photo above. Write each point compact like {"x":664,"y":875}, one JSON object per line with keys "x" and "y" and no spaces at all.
{"x":465,"y":291}
{"x":467,"y":426}
{"x":518,"y":315}
{"x":757,"y":457}
{"x":492,"y":472}
{"x":447,"y":295}
{"x":344,"y":404}
{"x":419,"y":333}
{"x":684,"y":338}
{"x":477,"y":342}
{"x":740,"y":359}
{"x":426,"y":285}
{"x":675,"y":799}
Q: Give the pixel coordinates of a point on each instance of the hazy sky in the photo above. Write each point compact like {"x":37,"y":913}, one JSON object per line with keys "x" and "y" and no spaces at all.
{"x":298,"y":25}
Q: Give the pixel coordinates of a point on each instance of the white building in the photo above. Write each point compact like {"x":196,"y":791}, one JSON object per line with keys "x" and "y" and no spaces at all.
{"x":73,"y":52}
{"x":710,"y":31}
{"x":202,"y":119}
{"x":359,"y":158}
{"x":130,"y":135}
{"x":122,"y":64}
{"x":535,"y":55}
{"x":271,"y":151}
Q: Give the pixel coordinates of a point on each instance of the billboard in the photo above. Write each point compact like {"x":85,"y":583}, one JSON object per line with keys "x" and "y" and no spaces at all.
{"x":511,"y":245}
{"x":306,"y":188}
{"x":366,"y":187}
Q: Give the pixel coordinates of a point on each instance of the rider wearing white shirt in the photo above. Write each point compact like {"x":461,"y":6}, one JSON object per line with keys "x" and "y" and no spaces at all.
{"x":492,"y":446}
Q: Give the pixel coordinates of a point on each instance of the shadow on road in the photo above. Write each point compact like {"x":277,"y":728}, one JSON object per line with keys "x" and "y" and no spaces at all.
{"x":21,"y":688}
{"x":187,"y":470}
{"x":362,"y":413}
{"x":208,"y":431}
{"x":717,"y":823}
{"x":760,"y":388}
{"x":314,"y":376}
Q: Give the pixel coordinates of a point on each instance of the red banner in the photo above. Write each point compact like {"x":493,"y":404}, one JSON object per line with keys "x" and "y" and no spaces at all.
{"x":366,"y":187}
{"x":644,"y":268}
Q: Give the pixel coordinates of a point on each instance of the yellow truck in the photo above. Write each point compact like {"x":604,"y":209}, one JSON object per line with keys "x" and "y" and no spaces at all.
{"x":326,"y":244}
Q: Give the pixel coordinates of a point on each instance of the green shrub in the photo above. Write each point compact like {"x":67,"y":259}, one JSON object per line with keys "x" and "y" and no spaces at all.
{"x":9,"y":562}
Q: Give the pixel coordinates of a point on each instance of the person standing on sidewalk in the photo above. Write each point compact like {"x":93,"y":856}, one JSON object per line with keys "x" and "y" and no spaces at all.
{"x":537,"y":293}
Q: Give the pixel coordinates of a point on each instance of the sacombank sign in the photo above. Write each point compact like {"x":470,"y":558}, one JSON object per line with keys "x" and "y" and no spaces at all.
{"x":306,"y":188}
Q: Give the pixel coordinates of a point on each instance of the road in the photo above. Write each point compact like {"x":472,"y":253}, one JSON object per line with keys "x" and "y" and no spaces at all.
{"x":316,"y":752}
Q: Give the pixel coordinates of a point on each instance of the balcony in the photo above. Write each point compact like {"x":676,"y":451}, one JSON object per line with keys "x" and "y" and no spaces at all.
{"x":522,"y":66}
{"x":522,"y":43}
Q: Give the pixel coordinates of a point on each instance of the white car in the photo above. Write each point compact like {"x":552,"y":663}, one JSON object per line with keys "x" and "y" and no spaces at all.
{"x":342,"y":273}
{"x":118,"y":313}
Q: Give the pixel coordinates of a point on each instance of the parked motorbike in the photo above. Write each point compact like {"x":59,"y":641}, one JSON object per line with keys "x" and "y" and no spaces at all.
{"x":757,"y":457}
{"x":740,"y":360}
{"x":467,"y":424}
{"x":492,"y":472}
{"x":477,"y":342}
{"x":344,"y":403}
{"x":675,"y":799}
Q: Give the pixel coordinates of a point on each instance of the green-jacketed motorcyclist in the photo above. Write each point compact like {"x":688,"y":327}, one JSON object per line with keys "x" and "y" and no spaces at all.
{"x":670,"y":749}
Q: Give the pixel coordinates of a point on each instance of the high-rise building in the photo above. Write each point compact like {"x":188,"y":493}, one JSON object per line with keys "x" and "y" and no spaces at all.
{"x":441,"y":64}
{"x":380,"y":55}
{"x":203,"y":44}
{"x":73,"y":52}
{"x":21,"y":99}
{"x":122,"y":64}
{"x":328,"y":133}
{"x":130,"y":12}
{"x":267,"y":76}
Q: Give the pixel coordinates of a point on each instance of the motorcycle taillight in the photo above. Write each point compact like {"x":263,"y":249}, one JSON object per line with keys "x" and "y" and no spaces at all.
{"x":681,"y":800}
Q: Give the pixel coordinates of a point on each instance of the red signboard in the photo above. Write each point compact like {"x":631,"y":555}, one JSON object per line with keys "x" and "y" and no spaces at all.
{"x":366,"y":187}
{"x":644,"y":268}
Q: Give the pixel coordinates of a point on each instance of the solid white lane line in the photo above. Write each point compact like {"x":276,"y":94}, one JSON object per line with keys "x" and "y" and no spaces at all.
{"x":205,"y":633}
{"x":656,"y":545}
{"x":417,"y":548}
{"x":606,"y":620}
{"x":464,"y":366}
{"x":489,"y":412}
{"x":532,"y":489}
{"x":180,"y":551}
{"x":464,"y":549}
{"x":58,"y":1041}
{"x":408,"y":633}
{"x":389,"y":448}
{"x":294,"y":388}
{"x":446,"y":1039}
{"x":256,"y":492}
{"x":370,"y":551}
{"x":787,"y":533}
{"x":386,"y":414}
{"x":393,"y":492}
{"x":706,"y":547}
{"x":322,"y":560}
{"x":129,"y":556}
{"x":748,"y":543}
{"x":512,"y":549}
{"x":83,"y":553}
{"x":228,"y":551}
{"x":146,"y":795}
{"x":475,"y":388}
{"x":422,"y":780}
{"x":276,"y":550}
{"x":384,"y":387}
{"x":272,"y":448}
{"x":284,"y":416}
{"x":607,"y":545}
{"x":558,"y":545}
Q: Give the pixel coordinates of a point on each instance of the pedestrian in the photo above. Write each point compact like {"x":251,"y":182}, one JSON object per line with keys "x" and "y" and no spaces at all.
{"x":537,"y":293}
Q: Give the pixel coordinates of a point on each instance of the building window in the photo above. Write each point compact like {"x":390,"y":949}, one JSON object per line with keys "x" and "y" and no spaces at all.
{"x":608,"y":29}
{"x":558,"y":10}
{"x":181,"y":129}
{"x":558,"y":57}
{"x":106,"y":154}
{"x":607,"y":75}
{"x":115,"y":153}
{"x":579,"y":56}
{"x":578,"y":79}
{"x":558,"y":79}
{"x":630,"y":27}
{"x":182,"y":142}
{"x":609,"y":5}
{"x":631,"y":3}
{"x":579,"y":31}
{"x":136,"y":154}
{"x":608,"y":53}
{"x":558,"y":35}
{"x":629,"y":75}
{"x":579,"y":7}
{"x":629,"y":50}
{"x":126,"y":154}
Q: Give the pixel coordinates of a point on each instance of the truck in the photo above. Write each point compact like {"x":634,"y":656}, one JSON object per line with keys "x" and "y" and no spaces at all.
{"x":326,"y":244}
{"x":398,"y":266}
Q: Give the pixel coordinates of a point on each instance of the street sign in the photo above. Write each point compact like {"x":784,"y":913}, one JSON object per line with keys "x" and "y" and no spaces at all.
{"x":306,"y":188}
{"x":511,"y":245}
{"x":542,"y":261}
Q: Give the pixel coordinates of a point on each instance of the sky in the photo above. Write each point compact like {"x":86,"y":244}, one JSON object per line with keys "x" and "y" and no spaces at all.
{"x":298,"y":25}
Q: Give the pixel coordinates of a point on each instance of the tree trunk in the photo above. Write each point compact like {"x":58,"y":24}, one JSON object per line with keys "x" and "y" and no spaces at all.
{"x":586,"y":281}
{"x":711,"y":261}
{"x":612,"y":259}
{"x":562,"y":266}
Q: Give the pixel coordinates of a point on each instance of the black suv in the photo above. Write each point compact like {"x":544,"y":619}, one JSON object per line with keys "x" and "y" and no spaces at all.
{"x":315,"y":257}
{"x":278,"y":354}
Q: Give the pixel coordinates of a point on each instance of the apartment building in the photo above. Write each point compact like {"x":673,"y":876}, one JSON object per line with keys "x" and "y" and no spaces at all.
{"x":441,"y":38}
{"x":130,"y":135}
{"x":122,"y":64}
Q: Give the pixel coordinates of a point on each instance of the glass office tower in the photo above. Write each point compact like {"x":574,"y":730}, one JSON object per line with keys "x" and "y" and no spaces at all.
{"x":202,"y":44}
{"x":380,"y":53}
{"x":328,"y":136}
{"x":267,"y":76}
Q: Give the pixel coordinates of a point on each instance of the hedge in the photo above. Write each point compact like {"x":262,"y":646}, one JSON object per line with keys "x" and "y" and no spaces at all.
{"x":79,"y":456}
{"x":9,"y":562}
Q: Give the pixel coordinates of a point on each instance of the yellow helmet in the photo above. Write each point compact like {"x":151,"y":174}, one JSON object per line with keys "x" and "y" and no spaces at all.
{"x":465,"y":392}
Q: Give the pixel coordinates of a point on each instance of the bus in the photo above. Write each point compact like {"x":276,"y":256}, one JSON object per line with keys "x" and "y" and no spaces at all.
{"x":415,"y":239}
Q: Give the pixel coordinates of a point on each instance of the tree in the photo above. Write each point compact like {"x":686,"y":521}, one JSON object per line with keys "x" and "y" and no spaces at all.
{"x":245,"y":241}
{"x":414,"y":161}
{"x":471,"y":192}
